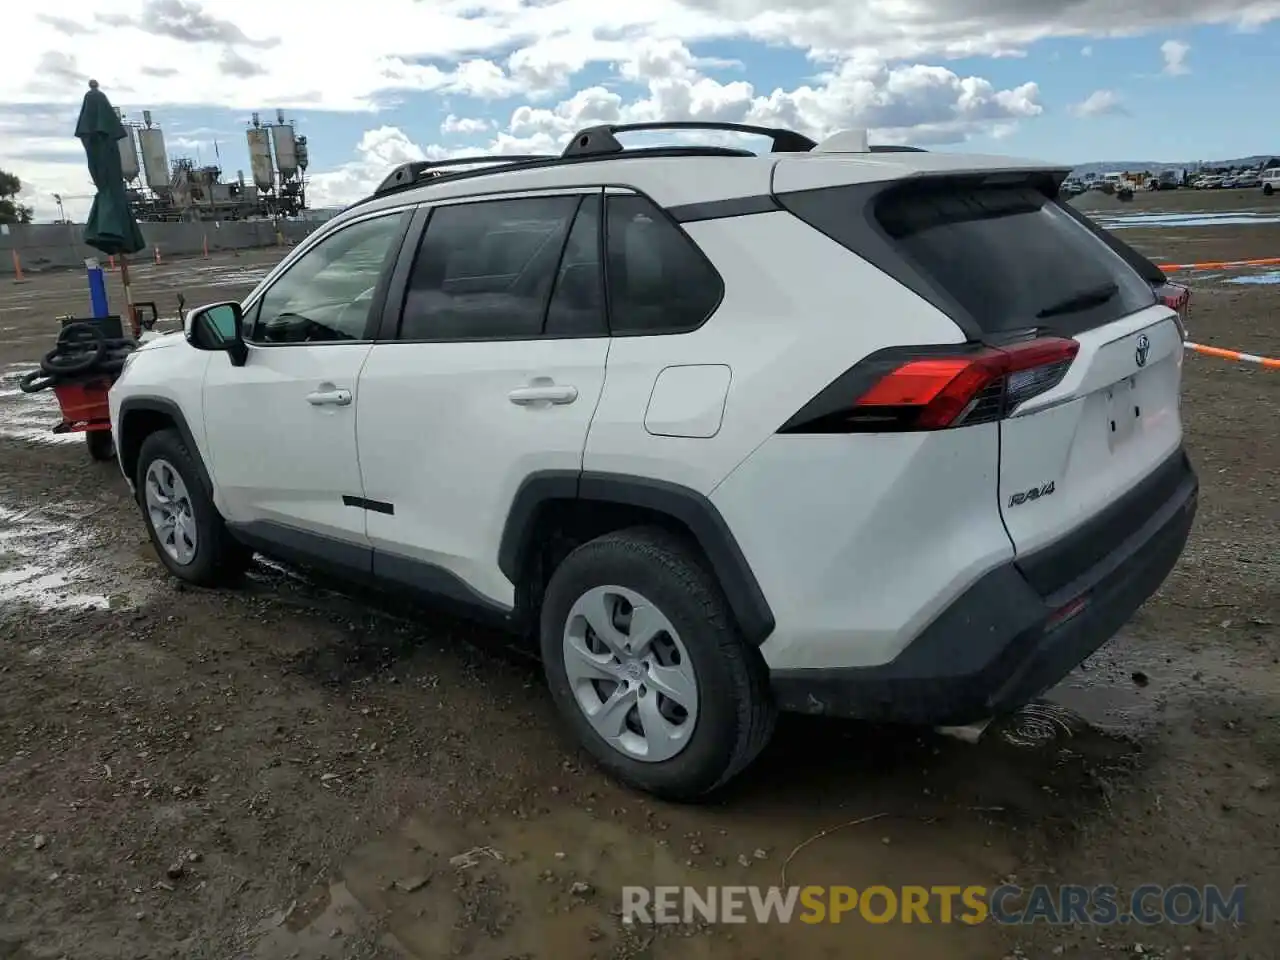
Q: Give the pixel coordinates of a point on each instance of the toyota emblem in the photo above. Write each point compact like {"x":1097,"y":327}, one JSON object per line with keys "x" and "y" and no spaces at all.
{"x":1144,"y":347}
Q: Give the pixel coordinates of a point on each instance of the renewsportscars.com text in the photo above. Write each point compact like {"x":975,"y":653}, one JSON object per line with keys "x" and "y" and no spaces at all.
{"x":1148,"y":904}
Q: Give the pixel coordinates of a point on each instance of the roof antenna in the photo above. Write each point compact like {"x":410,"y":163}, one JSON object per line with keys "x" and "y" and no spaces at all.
{"x":845,"y":141}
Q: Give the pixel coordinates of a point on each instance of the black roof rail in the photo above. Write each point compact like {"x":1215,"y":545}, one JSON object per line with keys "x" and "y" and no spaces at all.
{"x":410,"y":173}
{"x":893,"y":148}
{"x":603,"y":139}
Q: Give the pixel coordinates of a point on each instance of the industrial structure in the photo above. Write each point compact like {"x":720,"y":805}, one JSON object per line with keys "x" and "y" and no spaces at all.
{"x":184,"y":190}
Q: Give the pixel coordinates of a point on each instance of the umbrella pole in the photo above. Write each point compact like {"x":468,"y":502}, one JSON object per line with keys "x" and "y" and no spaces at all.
{"x":131,"y":313}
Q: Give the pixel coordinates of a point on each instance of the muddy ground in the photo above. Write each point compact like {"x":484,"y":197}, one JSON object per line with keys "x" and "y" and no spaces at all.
{"x":286,"y":771}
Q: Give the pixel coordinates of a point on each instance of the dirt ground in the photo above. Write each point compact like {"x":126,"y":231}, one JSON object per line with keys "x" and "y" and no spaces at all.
{"x":288,"y":771}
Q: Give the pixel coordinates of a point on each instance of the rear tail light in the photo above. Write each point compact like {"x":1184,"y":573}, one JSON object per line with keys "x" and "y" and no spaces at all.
{"x":939,"y":391}
{"x":1177,"y":298}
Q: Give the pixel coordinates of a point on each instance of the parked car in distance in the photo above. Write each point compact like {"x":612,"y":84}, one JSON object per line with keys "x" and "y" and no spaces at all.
{"x":717,"y":433}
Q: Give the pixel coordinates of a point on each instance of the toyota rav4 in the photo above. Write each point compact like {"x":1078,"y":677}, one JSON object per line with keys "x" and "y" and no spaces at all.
{"x":859,"y":431}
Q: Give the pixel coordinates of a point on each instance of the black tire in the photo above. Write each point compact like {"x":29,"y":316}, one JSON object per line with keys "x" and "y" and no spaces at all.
{"x":1268,"y":190}
{"x":736,"y":714}
{"x":101,"y":444}
{"x":219,"y":559}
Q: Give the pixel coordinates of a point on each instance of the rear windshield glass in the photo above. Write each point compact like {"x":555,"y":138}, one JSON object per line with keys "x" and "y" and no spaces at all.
{"x":1012,"y":258}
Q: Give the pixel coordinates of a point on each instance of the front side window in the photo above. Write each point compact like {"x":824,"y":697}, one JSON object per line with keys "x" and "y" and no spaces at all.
{"x":486,"y":270}
{"x":326,"y":296}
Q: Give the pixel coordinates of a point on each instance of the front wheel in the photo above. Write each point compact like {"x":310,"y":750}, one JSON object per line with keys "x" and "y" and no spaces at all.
{"x":1268,"y":190}
{"x":647,"y":667}
{"x":189,"y":535}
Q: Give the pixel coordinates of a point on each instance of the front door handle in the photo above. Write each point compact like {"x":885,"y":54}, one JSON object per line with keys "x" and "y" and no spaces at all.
{"x":329,"y":398}
{"x":548,"y":393}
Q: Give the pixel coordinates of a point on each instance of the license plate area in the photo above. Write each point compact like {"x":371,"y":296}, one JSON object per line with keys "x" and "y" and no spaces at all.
{"x":1123,"y":410}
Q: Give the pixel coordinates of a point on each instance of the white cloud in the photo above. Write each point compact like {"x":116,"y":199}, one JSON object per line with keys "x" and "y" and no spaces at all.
{"x":898,"y":29}
{"x":1175,"y":57}
{"x":919,"y":103}
{"x":465,"y":125}
{"x":1086,"y":51}
{"x":881,"y":63}
{"x":378,"y":153}
{"x":1100,"y":103}
{"x":249,"y":54}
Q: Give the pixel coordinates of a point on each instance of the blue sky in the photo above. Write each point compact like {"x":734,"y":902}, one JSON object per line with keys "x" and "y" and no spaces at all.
{"x":1163,"y":79}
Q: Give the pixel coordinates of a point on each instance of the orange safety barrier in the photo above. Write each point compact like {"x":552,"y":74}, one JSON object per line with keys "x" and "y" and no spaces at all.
{"x":1221,"y":264}
{"x":1233,"y":355}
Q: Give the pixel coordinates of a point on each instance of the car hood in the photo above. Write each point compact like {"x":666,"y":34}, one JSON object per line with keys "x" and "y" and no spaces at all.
{"x":150,"y":340}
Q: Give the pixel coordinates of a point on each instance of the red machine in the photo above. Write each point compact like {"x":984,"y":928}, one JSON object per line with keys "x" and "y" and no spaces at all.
{"x":80,"y":370}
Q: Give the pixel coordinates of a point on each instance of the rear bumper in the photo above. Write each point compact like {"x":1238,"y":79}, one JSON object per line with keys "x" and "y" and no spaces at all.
{"x":1004,"y":642}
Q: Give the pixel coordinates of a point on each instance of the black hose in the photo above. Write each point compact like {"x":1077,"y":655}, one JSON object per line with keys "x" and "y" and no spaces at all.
{"x":35,"y":381}
{"x":80,"y":346}
{"x":82,"y":353}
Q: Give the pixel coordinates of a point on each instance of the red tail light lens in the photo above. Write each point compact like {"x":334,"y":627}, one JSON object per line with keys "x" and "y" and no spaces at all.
{"x":941,"y":391}
{"x":1176,"y":297}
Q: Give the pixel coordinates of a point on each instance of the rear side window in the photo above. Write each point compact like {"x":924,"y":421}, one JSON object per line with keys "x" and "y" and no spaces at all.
{"x":1012,"y":258}
{"x":658,"y":279}
{"x":487,"y":270}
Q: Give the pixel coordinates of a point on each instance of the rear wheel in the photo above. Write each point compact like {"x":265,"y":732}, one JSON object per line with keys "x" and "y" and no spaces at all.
{"x":647,"y":667}
{"x":189,"y":535}
{"x":1268,"y":189}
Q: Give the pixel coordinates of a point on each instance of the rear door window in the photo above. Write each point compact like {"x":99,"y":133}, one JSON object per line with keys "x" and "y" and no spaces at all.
{"x":577,"y":300}
{"x":1012,"y":257}
{"x":486,"y":270}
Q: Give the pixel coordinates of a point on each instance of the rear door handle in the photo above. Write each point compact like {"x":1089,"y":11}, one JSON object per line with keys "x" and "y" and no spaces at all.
{"x":329,"y":398}
{"x":550,"y":393}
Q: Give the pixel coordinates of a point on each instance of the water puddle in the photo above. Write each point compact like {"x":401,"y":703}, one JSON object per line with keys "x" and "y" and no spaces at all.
{"x":235,"y":277}
{"x":550,"y":882}
{"x":1234,"y":219}
{"x":29,"y":417}
{"x":1269,"y":278}
{"x":39,"y":565}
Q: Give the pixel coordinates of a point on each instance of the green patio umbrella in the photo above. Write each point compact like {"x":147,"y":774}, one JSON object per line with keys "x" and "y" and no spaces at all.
{"x":110,"y":227}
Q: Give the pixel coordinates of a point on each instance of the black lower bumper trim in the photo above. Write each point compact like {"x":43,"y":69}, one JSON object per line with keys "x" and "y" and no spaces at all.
{"x":1003,"y":643}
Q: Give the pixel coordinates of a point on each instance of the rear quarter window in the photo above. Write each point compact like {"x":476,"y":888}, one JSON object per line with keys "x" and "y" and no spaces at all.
{"x":659,"y":281}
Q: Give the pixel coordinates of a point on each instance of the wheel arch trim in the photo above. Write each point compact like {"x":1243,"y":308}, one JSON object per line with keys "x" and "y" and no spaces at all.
{"x":171,"y":410}
{"x":689,"y":508}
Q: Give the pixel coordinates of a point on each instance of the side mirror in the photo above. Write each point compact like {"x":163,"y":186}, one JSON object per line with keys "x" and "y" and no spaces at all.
{"x":218,"y":326}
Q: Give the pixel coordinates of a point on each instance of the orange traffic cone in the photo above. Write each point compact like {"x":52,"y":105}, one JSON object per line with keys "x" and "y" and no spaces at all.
{"x":17,"y":268}
{"x":111,"y":263}
{"x":157,"y":255}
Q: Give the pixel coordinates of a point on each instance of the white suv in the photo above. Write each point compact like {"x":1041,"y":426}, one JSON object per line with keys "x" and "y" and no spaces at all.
{"x":866,"y":432}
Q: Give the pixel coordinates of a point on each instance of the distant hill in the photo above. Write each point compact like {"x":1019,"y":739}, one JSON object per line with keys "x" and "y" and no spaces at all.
{"x":1155,"y":166}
